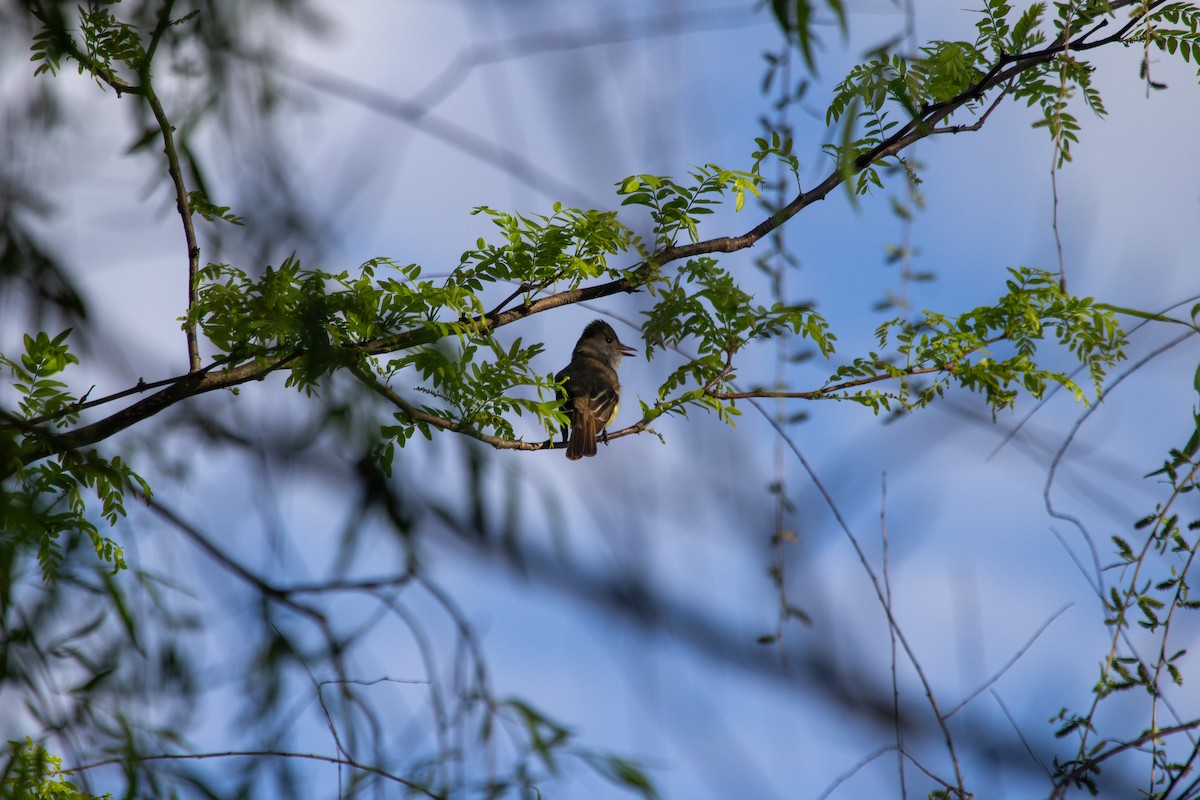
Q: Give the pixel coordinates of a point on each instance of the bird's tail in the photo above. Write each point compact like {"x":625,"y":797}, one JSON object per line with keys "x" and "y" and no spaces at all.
{"x":583,"y":437}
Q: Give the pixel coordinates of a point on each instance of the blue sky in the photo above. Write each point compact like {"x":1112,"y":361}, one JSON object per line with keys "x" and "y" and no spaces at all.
{"x":975,"y":564}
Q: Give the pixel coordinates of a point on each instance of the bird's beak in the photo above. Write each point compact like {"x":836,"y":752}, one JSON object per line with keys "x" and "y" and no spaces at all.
{"x":626,"y":350}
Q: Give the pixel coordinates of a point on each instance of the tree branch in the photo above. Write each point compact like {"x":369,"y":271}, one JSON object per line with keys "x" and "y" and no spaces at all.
{"x":199,"y":381}
{"x":346,"y":762}
{"x":419,"y":416}
{"x":264,"y":588}
{"x":1088,"y":764}
{"x":182,"y":203}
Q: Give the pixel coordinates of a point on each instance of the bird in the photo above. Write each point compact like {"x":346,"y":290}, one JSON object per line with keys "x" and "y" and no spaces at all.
{"x":590,"y":389}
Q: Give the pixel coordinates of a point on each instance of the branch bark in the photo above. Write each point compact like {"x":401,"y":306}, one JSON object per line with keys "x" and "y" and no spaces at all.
{"x":182,"y":203}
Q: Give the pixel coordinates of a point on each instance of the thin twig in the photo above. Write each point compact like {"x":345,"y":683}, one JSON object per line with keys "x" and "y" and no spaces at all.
{"x":217,"y":554}
{"x":879,"y":594}
{"x":417,"y":415}
{"x":1119,"y":633}
{"x":1008,"y":664}
{"x":833,"y":389}
{"x":979,"y":123}
{"x":1016,"y":729}
{"x":375,"y":681}
{"x":348,"y":762}
{"x":182,"y":203}
{"x":887,"y":587}
{"x":850,"y":773}
{"x":1060,"y":454}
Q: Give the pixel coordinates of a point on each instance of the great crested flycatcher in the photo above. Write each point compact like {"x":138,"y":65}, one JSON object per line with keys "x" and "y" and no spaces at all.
{"x":590,"y":387}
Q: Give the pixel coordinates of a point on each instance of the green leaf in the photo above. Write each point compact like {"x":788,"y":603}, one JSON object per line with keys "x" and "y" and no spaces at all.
{"x":1146,"y":315}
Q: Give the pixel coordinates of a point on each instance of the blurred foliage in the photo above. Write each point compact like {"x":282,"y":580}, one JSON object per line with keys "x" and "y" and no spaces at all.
{"x":44,"y":502}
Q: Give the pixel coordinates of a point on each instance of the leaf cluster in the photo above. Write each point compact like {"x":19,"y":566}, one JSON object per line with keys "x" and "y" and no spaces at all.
{"x":549,"y":742}
{"x":945,"y":78}
{"x":877,"y":96}
{"x":675,"y":208}
{"x":107,"y":39}
{"x":318,"y":322}
{"x":105,"y":42}
{"x":964,"y":350}
{"x":702,"y":308}
{"x":101,"y":44}
{"x":1053,"y":91}
{"x":314,"y":318}
{"x":797,"y":20}
{"x":561,"y":249}
{"x":35,"y":773}
{"x":1153,"y":589}
{"x":41,"y":394}
{"x":44,"y":506}
{"x":999,"y":35}
{"x":199,"y":203}
{"x":1170,"y":28}
{"x":476,"y":393}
